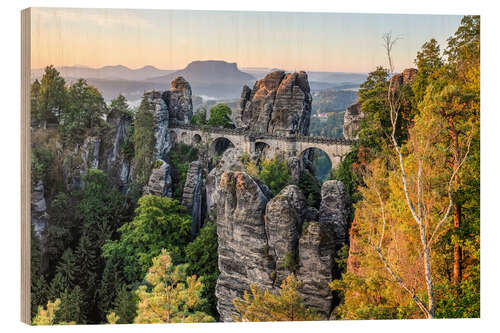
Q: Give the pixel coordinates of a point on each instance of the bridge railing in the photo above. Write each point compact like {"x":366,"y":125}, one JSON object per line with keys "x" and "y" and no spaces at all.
{"x":257,"y":135}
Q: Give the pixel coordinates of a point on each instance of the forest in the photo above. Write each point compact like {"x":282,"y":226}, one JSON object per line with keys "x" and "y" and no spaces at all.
{"x":412,"y":178}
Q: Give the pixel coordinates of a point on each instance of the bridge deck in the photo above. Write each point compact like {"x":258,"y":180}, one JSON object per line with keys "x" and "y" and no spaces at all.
{"x":256,"y":135}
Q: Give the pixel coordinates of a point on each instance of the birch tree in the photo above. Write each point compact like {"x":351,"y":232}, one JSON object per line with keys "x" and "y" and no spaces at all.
{"x":421,"y":187}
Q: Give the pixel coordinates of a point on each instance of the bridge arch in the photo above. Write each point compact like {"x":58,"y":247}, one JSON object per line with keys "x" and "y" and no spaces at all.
{"x":184,"y":138}
{"x":319,"y":160}
{"x":264,"y":150}
{"x":219,"y":145}
{"x":196,"y":139}
{"x":173,"y":137}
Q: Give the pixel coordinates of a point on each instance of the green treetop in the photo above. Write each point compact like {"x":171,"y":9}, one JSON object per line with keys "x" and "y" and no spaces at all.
{"x":174,"y":297}
{"x":220,"y":116}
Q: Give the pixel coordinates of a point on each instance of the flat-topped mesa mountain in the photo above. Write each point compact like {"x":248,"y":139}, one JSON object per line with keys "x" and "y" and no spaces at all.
{"x":209,"y":72}
{"x":280,"y":103}
{"x":214,"y":78}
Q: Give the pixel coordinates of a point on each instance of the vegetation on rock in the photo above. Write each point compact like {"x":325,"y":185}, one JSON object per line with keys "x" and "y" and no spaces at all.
{"x":262,"y":305}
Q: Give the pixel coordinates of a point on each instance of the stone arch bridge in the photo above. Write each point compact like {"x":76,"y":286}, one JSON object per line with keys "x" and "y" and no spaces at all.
{"x":270,"y":144}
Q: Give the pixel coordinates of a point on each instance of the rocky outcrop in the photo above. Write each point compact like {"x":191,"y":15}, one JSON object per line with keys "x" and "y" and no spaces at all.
{"x":179,"y":102}
{"x":353,"y":117}
{"x":114,"y":160}
{"x":79,"y":161}
{"x":316,"y":254}
{"x":295,"y":167}
{"x":406,"y":77}
{"x":160,"y":181}
{"x":262,"y":240}
{"x":334,"y":210}
{"x":230,"y":161}
{"x":242,"y":240}
{"x":40,"y":219}
{"x":279,"y":103}
{"x":192,"y":195}
{"x":283,"y":226}
{"x":161,"y":114}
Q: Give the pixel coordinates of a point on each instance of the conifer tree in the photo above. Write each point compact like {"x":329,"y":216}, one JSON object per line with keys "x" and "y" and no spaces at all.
{"x":174,"y":297}
{"x":263,"y":305}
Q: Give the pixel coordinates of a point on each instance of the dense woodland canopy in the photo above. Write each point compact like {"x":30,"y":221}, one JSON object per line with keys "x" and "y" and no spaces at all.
{"x":412,"y":177}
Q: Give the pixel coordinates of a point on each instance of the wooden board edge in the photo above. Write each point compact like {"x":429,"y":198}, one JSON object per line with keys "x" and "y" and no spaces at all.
{"x":25,"y":167}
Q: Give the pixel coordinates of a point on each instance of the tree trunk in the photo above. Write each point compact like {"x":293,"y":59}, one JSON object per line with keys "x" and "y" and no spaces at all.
{"x":457,"y":207}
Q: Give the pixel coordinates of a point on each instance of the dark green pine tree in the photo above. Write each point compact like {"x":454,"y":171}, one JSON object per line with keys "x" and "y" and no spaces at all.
{"x":110,"y":285}
{"x":72,"y":307}
{"x":125,"y":305}
{"x":56,"y":287}
{"x":39,"y":294}
{"x":67,"y":268}
{"x":86,"y":256}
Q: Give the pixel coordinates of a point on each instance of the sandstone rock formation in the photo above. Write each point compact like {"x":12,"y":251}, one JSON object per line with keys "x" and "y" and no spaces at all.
{"x":173,"y":106}
{"x":192,"y":195}
{"x":353,"y":117}
{"x":83,"y":158}
{"x":262,"y":240}
{"x":316,"y":254}
{"x":406,"y":77}
{"x":40,"y":219}
{"x":279,"y":103}
{"x":242,"y":240}
{"x":160,"y":181}
{"x":334,"y":210}
{"x":283,"y":226}
{"x":295,"y":167}
{"x":179,"y":102}
{"x":114,"y":162}
{"x":230,"y":161}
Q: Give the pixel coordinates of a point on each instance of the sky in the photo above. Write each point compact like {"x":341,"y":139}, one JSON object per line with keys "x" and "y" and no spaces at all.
{"x":170,"y":39}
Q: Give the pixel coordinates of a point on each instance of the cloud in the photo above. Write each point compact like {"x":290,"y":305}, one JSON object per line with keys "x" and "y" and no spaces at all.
{"x":103,"y":17}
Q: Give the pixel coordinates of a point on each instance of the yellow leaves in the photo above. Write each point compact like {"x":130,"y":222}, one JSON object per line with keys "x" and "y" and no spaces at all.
{"x":265,"y":306}
{"x":174,"y":296}
{"x":112,"y":318}
{"x":46,"y":316}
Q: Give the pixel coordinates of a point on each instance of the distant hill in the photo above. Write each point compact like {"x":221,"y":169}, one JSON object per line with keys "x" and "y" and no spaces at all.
{"x":211,"y":79}
{"x":209,"y":72}
{"x":118,"y":72}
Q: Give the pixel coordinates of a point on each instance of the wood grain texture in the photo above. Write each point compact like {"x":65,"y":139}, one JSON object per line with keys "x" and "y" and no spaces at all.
{"x":25,"y":166}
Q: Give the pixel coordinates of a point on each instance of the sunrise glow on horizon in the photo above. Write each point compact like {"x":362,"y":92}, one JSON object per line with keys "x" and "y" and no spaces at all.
{"x":170,"y":39}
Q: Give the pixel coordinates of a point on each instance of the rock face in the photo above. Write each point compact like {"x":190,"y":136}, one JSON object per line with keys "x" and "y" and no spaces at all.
{"x":242,"y":240}
{"x":316,"y":256}
{"x":179,"y":102}
{"x":230,"y":161}
{"x":334,"y":210}
{"x":173,"y":106}
{"x":353,"y":117}
{"x":116,"y":164}
{"x":83,"y":158}
{"x":295,"y":167}
{"x":262,"y":240}
{"x":40,"y":219}
{"x":192,"y":195}
{"x":279,"y":103}
{"x":283,"y":225}
{"x":160,"y":181}
{"x":161,"y":120}
{"x":406,"y":77}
